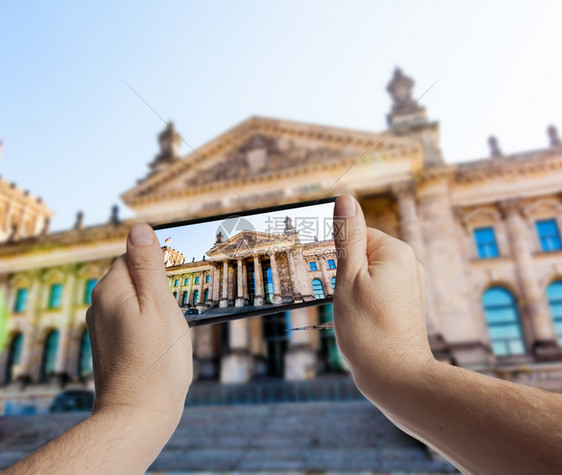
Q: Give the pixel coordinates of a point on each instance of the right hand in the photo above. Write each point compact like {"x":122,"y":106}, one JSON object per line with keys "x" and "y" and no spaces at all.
{"x":379,"y":304}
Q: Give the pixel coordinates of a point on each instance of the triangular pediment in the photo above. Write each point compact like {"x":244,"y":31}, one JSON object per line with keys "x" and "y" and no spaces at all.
{"x":259,"y":147}
{"x":246,"y":241}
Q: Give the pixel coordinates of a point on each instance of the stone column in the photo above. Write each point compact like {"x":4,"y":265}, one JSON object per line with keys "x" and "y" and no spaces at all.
{"x":224,"y":299}
{"x":201,"y":292}
{"x":204,"y":364}
{"x":277,"y":299}
{"x":4,"y":354}
{"x":240,"y":300}
{"x":190,"y":289}
{"x":216,"y":284}
{"x":245,"y":280}
{"x":325,"y":279}
{"x":446,"y":266}
{"x":301,"y":361}
{"x":411,"y":231}
{"x":534,"y":307}
{"x":297,"y":296}
{"x":258,"y":278}
{"x":237,"y":367}
{"x":211,"y":284}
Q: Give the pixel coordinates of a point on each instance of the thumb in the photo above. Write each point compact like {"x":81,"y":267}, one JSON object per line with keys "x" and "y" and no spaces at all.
{"x":146,"y":264}
{"x":350,"y":238}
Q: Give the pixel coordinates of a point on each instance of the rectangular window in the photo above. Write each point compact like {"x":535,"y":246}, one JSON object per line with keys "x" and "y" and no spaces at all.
{"x":90,"y":284}
{"x":486,"y":244}
{"x":186,"y":281}
{"x":196,"y":280}
{"x":549,"y":235}
{"x":331,"y":264}
{"x":176,"y":282}
{"x":313,"y":266}
{"x":55,"y":296}
{"x":207,"y":278}
{"x":21,"y":300}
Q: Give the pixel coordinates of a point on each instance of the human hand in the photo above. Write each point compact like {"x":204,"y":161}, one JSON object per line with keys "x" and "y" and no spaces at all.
{"x":141,"y":345}
{"x":379,"y":305}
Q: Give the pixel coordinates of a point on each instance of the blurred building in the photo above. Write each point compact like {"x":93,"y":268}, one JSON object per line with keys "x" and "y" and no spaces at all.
{"x":487,"y":232}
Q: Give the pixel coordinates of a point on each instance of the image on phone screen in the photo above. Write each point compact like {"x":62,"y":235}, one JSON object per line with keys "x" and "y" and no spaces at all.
{"x":255,"y":262}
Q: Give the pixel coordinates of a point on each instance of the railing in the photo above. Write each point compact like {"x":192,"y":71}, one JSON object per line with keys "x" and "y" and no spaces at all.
{"x":273,"y":391}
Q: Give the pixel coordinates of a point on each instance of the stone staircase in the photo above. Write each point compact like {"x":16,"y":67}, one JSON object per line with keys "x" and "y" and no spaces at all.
{"x":315,"y":436}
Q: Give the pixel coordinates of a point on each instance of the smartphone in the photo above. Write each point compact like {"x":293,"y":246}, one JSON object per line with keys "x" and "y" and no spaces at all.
{"x":251,"y":263}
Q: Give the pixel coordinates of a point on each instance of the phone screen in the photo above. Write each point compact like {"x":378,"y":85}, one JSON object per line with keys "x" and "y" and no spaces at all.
{"x":255,"y":262}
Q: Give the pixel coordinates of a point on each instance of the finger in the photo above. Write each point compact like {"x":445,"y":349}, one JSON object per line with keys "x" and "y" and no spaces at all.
{"x":350,"y":238}
{"x":146,"y":264}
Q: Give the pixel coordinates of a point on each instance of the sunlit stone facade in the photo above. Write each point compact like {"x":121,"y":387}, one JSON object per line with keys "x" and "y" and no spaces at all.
{"x":487,"y":232}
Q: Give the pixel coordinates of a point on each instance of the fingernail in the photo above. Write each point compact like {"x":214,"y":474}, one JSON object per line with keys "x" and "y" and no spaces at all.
{"x":141,"y":235}
{"x":345,"y":206}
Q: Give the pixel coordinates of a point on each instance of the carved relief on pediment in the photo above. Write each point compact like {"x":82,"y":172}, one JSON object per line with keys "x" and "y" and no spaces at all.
{"x":261,"y":154}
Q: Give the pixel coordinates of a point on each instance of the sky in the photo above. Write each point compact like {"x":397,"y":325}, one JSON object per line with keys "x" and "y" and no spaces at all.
{"x":194,"y":240}
{"x":75,"y":134}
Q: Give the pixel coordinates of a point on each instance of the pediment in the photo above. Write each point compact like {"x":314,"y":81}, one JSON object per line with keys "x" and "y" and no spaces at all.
{"x":246,"y":241}
{"x":259,"y":147}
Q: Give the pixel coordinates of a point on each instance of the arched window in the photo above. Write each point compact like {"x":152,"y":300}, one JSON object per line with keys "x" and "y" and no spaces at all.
{"x":206,"y":295}
{"x":502,"y":318}
{"x":554,"y":296}
{"x":333,"y":281}
{"x":14,"y":357}
{"x":196,"y":297}
{"x":85,"y":356}
{"x":184,"y":298}
{"x":318,"y":289}
{"x":49,"y":354}
{"x":175,"y":294}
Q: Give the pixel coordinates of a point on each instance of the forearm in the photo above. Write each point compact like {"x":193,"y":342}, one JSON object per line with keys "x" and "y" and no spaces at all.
{"x":482,"y":424}
{"x":107,"y":442}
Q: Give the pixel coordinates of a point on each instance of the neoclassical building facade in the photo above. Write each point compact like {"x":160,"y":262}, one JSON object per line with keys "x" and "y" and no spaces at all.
{"x":487,"y":232}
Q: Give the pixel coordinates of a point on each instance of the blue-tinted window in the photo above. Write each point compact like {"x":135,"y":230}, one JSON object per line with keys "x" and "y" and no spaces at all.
{"x":486,"y":244}
{"x":269,"y":285}
{"x":14,"y":357}
{"x":554,"y":296}
{"x":90,"y":284}
{"x":50,"y":350}
{"x":549,"y":235}
{"x":176,"y":282}
{"x":21,"y":300}
{"x":184,"y":298}
{"x":502,"y":318}
{"x":331,"y":264}
{"x":197,"y":280}
{"x":313,"y":266}
{"x":318,"y":289}
{"x":55,"y":296}
{"x":333,"y":281}
{"x":196,"y":297}
{"x":206,"y":295}
{"x":207,"y":279}
{"x":186,"y":281}
{"x":85,"y":358}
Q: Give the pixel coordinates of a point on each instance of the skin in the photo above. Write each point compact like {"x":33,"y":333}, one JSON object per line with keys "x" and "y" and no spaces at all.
{"x":143,"y":371}
{"x":142,"y":357}
{"x":481,"y":424}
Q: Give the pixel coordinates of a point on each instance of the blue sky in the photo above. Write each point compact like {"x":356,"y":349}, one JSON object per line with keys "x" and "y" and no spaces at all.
{"x":76,"y":135}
